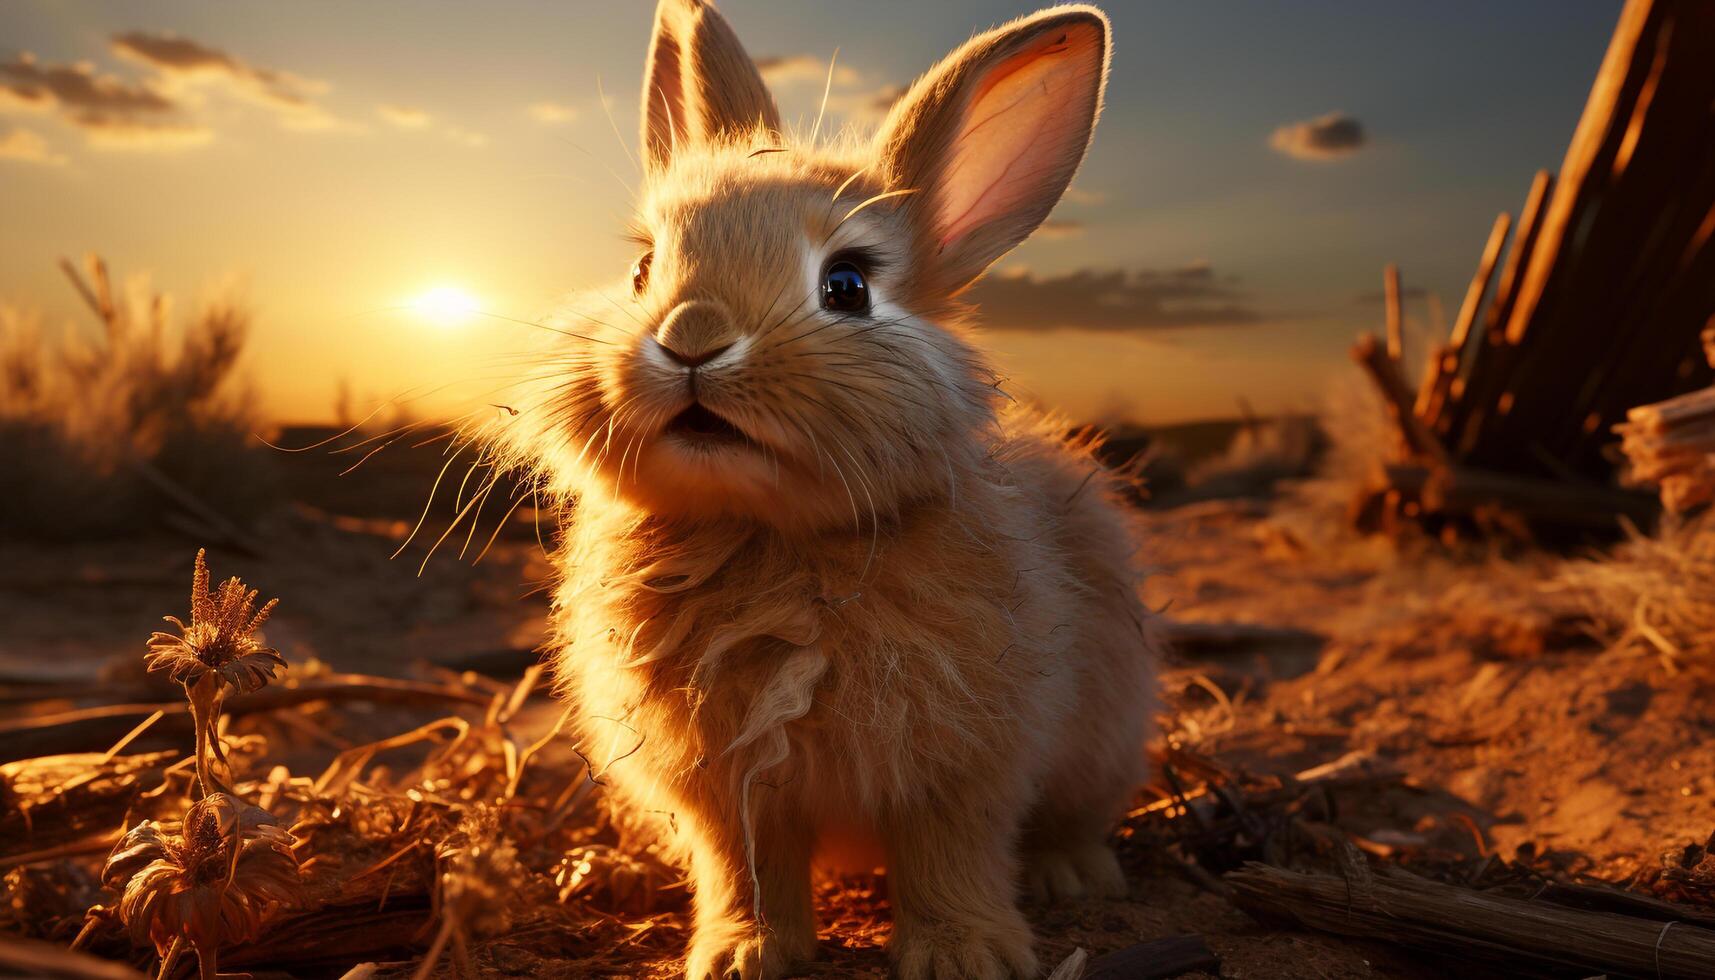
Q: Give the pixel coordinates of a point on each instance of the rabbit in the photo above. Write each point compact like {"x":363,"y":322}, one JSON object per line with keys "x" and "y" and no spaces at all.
{"x":818,"y":578}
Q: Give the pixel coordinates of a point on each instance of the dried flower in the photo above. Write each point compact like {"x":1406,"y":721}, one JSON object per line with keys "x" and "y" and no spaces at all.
{"x":217,"y":651}
{"x":479,"y":881}
{"x":221,"y":638}
{"x":212,"y":883}
{"x":480,"y":873}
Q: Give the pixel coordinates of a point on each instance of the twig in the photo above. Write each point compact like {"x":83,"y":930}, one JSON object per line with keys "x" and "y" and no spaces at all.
{"x":80,"y":728}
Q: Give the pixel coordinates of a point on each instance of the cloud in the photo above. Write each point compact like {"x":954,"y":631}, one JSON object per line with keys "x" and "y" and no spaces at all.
{"x":873,"y":104}
{"x":183,"y":63}
{"x":183,"y":60}
{"x":156,"y":112}
{"x":28,"y":146}
{"x":1328,"y":137}
{"x":1112,"y":300}
{"x":111,"y":111}
{"x":421,"y":121}
{"x":552,"y":113}
{"x":465,"y":137}
{"x":1060,"y":228}
{"x":867,"y":106}
{"x":782,"y":70}
{"x":119,"y":133}
{"x":853,"y":94}
{"x":1078,"y":195}
{"x":77,"y":89}
{"x":405,"y":117}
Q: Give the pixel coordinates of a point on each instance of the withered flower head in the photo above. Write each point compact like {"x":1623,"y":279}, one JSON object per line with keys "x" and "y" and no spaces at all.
{"x":221,"y":638}
{"x":480,"y":874}
{"x":212,"y":883}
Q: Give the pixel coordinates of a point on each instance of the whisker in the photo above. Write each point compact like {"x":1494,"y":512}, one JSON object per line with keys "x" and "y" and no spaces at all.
{"x":476,"y":519}
{"x":433,"y":488}
{"x":607,"y":109}
{"x":543,"y":326}
{"x":444,"y":535}
{"x":874,"y":200}
{"x":501,"y":526}
{"x":842,"y":188}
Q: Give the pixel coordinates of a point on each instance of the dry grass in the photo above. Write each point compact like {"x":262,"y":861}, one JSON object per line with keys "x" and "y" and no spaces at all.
{"x":86,"y":419}
{"x":1355,"y":422}
{"x":1657,"y":589}
{"x":1261,"y":455}
{"x":450,"y":844}
{"x":1316,"y":515}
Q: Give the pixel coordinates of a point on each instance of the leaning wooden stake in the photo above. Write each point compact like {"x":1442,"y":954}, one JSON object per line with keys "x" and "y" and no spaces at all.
{"x":1444,"y":362}
{"x":1397,"y":907}
{"x":1395,"y":314}
{"x":1384,"y":371}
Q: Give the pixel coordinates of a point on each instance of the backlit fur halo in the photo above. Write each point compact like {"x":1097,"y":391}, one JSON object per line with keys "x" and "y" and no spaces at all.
{"x":816,"y":574}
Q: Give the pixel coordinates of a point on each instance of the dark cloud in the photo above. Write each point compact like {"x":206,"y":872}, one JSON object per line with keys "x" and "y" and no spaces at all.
{"x":110,"y":110}
{"x":1112,"y":299}
{"x":1376,"y":297}
{"x":1326,"y":137}
{"x":78,"y":89}
{"x":882,"y":100}
{"x":183,"y":58}
{"x":182,"y":61}
{"x":157,"y":111}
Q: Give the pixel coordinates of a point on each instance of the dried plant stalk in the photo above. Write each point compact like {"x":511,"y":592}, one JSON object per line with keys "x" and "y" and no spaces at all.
{"x":1658,"y":589}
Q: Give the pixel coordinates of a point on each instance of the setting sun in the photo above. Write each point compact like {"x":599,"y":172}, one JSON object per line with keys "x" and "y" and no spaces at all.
{"x":445,"y":305}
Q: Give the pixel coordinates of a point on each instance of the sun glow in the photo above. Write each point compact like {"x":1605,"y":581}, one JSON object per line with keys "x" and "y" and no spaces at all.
{"x":445,"y":305}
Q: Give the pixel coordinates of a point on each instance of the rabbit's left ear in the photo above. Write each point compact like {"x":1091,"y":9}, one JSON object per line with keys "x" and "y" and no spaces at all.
{"x":990,"y":138}
{"x":699,"y":83}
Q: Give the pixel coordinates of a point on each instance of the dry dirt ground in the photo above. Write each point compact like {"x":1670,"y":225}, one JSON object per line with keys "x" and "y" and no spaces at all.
{"x":1513,"y":727}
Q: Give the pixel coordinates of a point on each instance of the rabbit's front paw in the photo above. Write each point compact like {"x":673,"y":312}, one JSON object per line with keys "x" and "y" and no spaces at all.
{"x":965,"y":951}
{"x":1090,"y":871}
{"x":731,"y":955}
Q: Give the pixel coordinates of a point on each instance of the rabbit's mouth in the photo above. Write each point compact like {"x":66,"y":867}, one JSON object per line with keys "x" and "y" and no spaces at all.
{"x":700,"y":426}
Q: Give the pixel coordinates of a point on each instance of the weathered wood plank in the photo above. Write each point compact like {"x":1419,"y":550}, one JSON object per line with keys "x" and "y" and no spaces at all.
{"x":1397,"y":907}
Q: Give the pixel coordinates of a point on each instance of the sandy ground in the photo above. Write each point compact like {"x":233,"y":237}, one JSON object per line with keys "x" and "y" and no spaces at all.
{"x":1515,"y":728}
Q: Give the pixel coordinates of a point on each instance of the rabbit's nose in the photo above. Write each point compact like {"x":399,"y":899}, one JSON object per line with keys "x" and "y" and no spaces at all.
{"x":695,"y":333}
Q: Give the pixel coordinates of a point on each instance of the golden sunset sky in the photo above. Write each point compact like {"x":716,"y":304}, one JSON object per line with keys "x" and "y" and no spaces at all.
{"x":1257,"y":164}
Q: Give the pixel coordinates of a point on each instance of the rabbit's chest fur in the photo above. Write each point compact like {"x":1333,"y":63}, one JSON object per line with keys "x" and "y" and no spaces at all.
{"x":947,"y":635}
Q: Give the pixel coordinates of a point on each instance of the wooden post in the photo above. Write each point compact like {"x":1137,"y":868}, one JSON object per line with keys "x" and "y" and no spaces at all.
{"x":1579,"y":175}
{"x":1445,"y":363}
{"x":1395,"y":315}
{"x":1506,"y":288}
{"x":1384,"y":371}
{"x":1480,"y":281}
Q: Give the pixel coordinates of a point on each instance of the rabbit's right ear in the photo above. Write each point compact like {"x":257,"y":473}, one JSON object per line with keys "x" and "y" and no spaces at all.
{"x":988,"y":140}
{"x":699,"y":83}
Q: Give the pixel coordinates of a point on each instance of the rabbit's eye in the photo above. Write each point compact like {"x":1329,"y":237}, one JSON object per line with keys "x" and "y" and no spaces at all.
{"x":640,"y":272}
{"x":844,"y":289}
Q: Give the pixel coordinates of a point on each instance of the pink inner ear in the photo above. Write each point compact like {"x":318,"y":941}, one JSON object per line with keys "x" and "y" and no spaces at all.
{"x":1026,"y":123}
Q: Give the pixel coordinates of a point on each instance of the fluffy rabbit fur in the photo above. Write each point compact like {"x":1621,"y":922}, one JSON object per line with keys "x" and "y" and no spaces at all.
{"x":884,"y":601}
